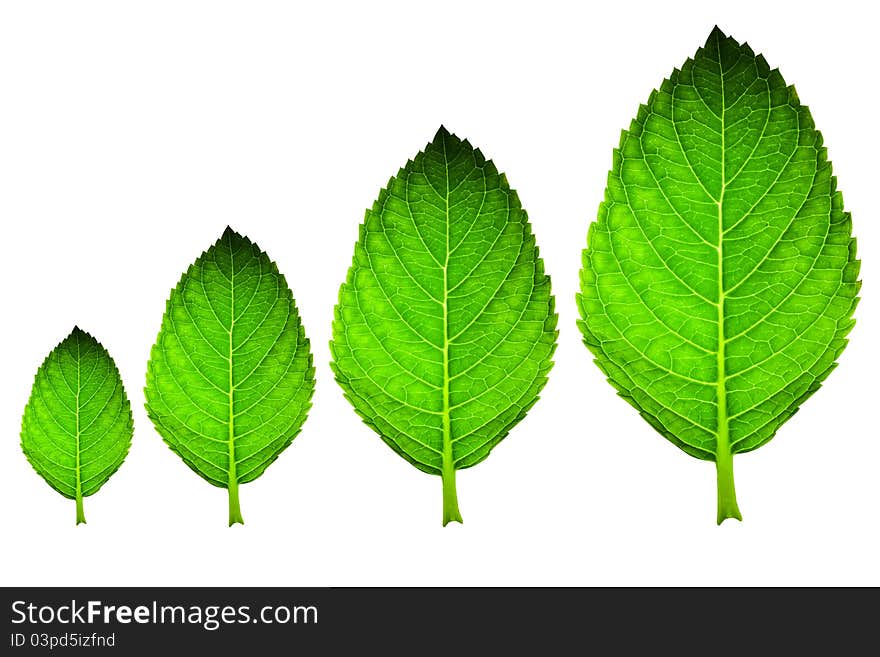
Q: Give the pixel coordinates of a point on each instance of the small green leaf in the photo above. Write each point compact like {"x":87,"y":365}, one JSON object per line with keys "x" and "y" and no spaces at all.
{"x":77,"y":424}
{"x":445,"y":328}
{"x":720,"y":279}
{"x":230,"y":378}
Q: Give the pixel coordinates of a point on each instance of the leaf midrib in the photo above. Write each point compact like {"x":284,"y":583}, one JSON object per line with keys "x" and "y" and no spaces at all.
{"x":231,"y":470}
{"x":76,"y":406}
{"x":722,"y":438}
{"x":447,"y":461}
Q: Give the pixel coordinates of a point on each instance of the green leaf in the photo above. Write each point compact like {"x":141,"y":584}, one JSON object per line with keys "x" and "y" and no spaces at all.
{"x":230,"y":377}
{"x":445,"y":325}
{"x":77,"y":424}
{"x":720,"y":279}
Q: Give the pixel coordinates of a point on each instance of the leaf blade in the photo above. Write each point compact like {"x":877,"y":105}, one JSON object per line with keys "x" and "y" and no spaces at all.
{"x":445,"y":271}
{"x":726,"y":130}
{"x":230,"y":378}
{"x":77,"y":424}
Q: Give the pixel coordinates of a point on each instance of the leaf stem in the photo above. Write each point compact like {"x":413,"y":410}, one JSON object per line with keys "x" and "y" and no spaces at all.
{"x":727,"y":506}
{"x":234,"y":508}
{"x":80,"y":514}
{"x":450,"y":495}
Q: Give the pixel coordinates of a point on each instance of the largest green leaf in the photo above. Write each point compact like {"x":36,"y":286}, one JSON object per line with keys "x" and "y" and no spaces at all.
{"x":720,"y":278}
{"x":230,"y":377}
{"x":445,"y":326}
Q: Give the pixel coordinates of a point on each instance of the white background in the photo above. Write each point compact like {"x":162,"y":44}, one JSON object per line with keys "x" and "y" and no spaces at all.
{"x":131,"y":134}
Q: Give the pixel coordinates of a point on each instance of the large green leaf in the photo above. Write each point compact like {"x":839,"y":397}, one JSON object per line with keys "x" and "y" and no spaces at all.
{"x":230,"y":377}
{"x":77,"y":424}
{"x":445,"y":326}
{"x":720,"y":278}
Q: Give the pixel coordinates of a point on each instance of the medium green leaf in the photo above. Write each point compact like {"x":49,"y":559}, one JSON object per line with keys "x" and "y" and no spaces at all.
{"x":77,"y":424}
{"x":230,"y":378}
{"x":445,"y":328}
{"x":720,"y":279}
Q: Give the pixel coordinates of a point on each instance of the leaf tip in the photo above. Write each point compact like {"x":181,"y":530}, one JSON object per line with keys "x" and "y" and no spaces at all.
{"x":232,"y":238}
{"x":77,"y":334}
{"x":716,"y":35}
